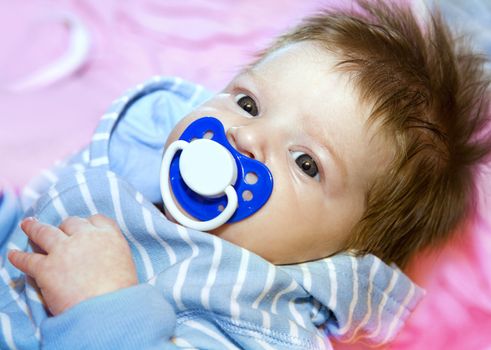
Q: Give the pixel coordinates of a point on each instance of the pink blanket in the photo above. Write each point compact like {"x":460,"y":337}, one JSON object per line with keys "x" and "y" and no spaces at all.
{"x":206,"y":42}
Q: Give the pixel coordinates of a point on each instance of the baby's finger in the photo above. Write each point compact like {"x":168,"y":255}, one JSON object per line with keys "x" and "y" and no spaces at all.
{"x":102,"y":221}
{"x":75,"y":224}
{"x":43,"y":235}
{"x":29,"y":263}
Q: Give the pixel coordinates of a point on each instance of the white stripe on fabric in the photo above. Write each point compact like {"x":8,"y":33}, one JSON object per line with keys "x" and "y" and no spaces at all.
{"x":264,"y":345}
{"x":37,"y":334}
{"x":234,"y":305}
{"x":101,"y":136}
{"x":29,"y":192}
{"x":99,"y":161}
{"x":11,"y":246}
{"x":385,"y":298}
{"x":354,"y":298}
{"x":113,"y":187}
{"x":112,"y":115}
{"x":84,"y":189}
{"x":156,"y":78}
{"x":122,"y":99}
{"x":288,"y":289}
{"x":321,"y":343}
{"x":153,"y":280}
{"x":182,"y":343}
{"x":48,"y":174}
{"x":139,"y":197}
{"x":183,"y":269}
{"x":296,"y":315}
{"x":176,"y":83}
{"x":15,"y":296}
{"x":57,"y":203}
{"x":307,"y":277}
{"x":269,"y":283}
{"x":78,"y":167}
{"x":147,"y":218}
{"x":217,"y":336}
{"x":293,"y":329}
{"x":334,"y":284}
{"x":266,"y":319}
{"x":33,"y":294}
{"x":397,"y":317}
{"x":212,"y":274}
{"x":315,"y":308}
{"x":371,"y":279}
{"x":7,"y":331}
{"x":86,"y":156}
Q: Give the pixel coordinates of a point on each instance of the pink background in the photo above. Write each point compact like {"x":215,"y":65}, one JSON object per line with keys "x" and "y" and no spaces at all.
{"x":205,"y":42}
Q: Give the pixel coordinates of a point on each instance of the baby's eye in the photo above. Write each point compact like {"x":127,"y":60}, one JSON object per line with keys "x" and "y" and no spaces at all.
{"x":247,"y":104}
{"x":307,"y":164}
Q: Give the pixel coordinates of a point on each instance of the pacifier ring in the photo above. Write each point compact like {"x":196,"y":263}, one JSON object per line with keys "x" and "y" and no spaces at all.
{"x":206,"y":163}
{"x":193,"y":152}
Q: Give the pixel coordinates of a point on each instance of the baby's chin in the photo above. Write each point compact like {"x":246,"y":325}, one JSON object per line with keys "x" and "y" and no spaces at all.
{"x":232,"y":234}
{"x":237,"y":234}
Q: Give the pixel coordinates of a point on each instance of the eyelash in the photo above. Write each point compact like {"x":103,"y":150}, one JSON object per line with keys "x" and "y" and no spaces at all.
{"x":297,"y":154}
{"x":239,"y":95}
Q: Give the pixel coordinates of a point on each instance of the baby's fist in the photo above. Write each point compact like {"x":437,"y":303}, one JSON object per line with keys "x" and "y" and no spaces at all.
{"x":83,"y":258}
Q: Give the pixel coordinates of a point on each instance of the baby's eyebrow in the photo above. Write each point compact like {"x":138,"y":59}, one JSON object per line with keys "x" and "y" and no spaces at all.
{"x":242,"y":73}
{"x":249,"y":73}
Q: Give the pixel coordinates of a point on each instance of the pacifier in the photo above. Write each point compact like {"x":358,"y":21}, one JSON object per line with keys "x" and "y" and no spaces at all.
{"x":210,"y":179}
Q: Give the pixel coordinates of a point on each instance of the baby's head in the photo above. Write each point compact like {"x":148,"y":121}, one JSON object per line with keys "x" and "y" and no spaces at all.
{"x":371,"y":127}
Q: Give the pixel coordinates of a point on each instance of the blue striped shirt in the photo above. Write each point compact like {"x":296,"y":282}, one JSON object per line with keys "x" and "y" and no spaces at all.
{"x":196,"y":290}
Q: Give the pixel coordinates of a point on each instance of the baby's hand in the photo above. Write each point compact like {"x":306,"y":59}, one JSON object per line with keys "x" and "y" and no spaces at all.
{"x":84,"y":258}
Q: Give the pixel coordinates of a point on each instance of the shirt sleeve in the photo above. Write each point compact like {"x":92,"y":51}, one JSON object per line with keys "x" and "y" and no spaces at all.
{"x":137,"y":317}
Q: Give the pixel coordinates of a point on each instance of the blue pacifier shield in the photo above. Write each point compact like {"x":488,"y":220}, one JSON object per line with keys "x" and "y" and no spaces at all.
{"x":252,"y":194}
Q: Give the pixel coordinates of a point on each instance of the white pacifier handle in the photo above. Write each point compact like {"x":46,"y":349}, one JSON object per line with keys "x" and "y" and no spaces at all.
{"x":208,"y":169}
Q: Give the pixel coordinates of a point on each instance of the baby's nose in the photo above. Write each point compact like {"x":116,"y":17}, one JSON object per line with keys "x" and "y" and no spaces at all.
{"x":247,"y":141}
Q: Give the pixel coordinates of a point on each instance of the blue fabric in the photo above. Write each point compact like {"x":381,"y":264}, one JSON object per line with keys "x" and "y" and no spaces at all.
{"x":196,"y":290}
{"x":10,"y":214}
{"x":136,"y":147}
{"x":143,"y":302}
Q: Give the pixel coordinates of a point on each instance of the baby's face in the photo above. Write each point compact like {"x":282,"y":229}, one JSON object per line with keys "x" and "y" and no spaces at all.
{"x":300,"y":117}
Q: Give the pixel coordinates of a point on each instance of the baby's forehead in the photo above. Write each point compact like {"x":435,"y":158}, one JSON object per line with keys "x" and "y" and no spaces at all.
{"x":306,"y":78}
{"x":310,"y":76}
{"x":293,"y":55}
{"x":295,"y":65}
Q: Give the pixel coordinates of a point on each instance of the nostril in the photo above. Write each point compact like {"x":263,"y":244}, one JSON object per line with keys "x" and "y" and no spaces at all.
{"x":244,"y":152}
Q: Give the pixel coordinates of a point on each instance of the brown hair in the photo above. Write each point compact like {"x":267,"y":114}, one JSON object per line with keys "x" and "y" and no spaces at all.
{"x":430,"y":93}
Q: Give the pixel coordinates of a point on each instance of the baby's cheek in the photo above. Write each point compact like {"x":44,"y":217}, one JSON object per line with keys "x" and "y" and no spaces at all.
{"x":175,"y":133}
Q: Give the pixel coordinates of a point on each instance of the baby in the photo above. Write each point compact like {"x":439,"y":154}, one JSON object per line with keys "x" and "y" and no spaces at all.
{"x":372,"y":130}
